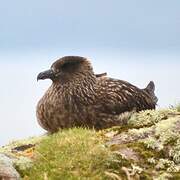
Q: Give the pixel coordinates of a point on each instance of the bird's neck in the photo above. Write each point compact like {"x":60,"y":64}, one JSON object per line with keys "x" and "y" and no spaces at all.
{"x":78,"y":90}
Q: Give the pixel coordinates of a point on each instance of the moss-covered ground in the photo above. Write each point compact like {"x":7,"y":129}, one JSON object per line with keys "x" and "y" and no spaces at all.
{"x":147,"y":146}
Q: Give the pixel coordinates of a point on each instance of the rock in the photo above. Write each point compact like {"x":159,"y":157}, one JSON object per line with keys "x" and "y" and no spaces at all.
{"x":129,"y":154}
{"x":7,"y":171}
{"x":145,"y":146}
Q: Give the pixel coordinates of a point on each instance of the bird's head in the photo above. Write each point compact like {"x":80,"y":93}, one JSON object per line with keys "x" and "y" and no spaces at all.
{"x":67,"y":68}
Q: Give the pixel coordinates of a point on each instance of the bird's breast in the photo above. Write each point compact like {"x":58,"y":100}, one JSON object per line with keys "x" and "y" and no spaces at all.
{"x":51,"y":113}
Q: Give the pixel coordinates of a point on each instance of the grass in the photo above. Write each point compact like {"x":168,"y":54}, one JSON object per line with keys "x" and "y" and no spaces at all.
{"x":178,"y":107}
{"x":73,"y":154}
{"x":147,"y":148}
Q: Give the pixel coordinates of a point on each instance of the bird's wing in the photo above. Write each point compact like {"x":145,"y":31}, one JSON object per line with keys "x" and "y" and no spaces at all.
{"x":117,"y":96}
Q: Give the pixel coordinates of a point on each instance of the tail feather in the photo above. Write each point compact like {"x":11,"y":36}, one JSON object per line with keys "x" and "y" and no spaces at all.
{"x":150,"y":89}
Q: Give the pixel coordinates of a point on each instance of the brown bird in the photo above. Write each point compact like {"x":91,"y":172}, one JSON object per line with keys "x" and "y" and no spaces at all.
{"x":78,"y":97}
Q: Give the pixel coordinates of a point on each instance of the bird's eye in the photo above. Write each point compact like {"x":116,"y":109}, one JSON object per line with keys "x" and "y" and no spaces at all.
{"x":70,"y":67}
{"x":55,"y":70}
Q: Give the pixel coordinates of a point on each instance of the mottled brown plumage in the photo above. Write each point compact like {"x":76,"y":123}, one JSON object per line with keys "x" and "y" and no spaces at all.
{"x":78,"y":97}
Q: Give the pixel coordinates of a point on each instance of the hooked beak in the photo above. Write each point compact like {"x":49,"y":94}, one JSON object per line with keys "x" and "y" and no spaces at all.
{"x":49,"y":74}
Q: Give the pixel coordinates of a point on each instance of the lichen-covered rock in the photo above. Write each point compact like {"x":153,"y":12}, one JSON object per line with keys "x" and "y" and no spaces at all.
{"x":151,"y":117}
{"x":145,"y":146}
{"x":18,"y":155}
{"x":155,"y":137}
{"x":7,"y":171}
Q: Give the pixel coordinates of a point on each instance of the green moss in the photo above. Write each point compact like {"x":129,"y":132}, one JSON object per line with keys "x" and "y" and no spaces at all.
{"x":175,"y":176}
{"x":146,"y":176}
{"x":178,"y":107}
{"x":146,"y":146}
{"x":111,"y":132}
{"x":145,"y":153}
{"x":163,"y":176}
{"x":73,"y":154}
{"x":175,"y":152}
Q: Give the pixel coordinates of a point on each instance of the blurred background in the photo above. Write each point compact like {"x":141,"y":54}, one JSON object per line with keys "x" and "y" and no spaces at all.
{"x":136,"y":41}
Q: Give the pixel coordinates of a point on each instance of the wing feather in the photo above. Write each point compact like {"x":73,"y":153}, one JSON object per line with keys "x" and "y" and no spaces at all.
{"x":117,"y":96}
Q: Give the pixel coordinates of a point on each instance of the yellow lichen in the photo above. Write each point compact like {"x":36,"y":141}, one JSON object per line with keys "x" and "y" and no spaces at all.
{"x":151,"y":137}
{"x":150,"y":117}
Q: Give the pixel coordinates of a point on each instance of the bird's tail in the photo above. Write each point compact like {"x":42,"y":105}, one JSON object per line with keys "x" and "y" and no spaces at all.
{"x":150,"y":89}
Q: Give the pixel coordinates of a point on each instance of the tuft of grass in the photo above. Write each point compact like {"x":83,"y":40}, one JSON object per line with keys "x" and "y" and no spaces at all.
{"x":73,"y":154}
{"x":175,"y":107}
{"x":148,"y":147}
{"x":178,"y":107}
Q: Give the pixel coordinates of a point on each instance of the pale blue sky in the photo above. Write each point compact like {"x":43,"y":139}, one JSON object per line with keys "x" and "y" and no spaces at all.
{"x":135,"y":40}
{"x":135,"y":24}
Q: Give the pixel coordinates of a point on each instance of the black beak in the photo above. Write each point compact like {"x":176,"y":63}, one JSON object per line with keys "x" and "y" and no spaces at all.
{"x":49,"y":74}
